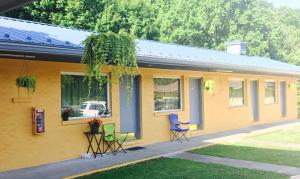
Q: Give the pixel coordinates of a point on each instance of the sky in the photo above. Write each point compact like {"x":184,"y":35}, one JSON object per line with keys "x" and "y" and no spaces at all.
{"x":289,"y":3}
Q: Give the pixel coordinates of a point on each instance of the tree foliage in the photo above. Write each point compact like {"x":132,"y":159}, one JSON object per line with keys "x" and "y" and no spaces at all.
{"x":270,"y":32}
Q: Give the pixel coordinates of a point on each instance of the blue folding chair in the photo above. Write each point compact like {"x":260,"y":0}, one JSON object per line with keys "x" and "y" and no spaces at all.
{"x":178,"y":133}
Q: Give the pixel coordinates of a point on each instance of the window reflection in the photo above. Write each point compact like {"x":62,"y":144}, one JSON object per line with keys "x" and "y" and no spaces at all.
{"x":166,"y":94}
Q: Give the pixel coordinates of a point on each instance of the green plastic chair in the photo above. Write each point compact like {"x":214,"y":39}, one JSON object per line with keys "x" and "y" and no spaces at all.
{"x":111,"y":140}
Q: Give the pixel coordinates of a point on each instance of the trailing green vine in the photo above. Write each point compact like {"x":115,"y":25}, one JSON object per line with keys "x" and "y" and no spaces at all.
{"x":109,"y":48}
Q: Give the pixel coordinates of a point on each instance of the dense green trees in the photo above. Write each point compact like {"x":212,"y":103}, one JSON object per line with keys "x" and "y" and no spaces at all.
{"x":269,"y":32}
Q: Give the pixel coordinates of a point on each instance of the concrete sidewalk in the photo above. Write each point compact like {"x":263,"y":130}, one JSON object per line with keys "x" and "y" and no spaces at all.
{"x":239,"y":163}
{"x":78,"y":166}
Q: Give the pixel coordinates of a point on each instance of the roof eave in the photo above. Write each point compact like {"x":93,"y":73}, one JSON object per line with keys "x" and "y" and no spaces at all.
{"x":40,"y":52}
{"x":147,"y":61}
{"x":73,"y":55}
{"x":33,"y":48}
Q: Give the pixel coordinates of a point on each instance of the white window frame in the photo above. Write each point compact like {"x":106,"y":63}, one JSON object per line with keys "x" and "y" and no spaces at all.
{"x":180,"y":93}
{"x":244,"y":92}
{"x":276,"y":91}
{"x":84,"y":74}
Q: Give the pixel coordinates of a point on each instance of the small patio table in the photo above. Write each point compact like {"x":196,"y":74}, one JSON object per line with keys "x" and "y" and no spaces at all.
{"x":91,"y":137}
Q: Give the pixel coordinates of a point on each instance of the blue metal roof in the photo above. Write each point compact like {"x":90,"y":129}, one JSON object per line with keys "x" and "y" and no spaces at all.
{"x":149,"y":53}
{"x":38,"y":33}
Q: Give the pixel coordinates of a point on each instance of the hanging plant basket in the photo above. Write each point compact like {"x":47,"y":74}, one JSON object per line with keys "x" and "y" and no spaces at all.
{"x":209,"y":86}
{"x":109,"y":48}
{"x":25,"y":80}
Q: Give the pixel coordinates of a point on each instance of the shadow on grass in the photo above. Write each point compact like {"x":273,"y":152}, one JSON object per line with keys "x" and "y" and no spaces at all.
{"x":169,"y":168}
{"x":273,"y":156}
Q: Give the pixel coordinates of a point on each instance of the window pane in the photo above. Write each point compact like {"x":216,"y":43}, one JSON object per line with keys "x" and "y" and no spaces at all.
{"x":270,"y":92}
{"x":75,"y":96}
{"x":166,"y":94}
{"x":236,"y":93}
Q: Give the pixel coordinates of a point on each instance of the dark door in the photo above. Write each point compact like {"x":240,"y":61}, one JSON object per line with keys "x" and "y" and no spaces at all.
{"x":196,"y":102}
{"x":130,"y":107}
{"x":254,"y":100}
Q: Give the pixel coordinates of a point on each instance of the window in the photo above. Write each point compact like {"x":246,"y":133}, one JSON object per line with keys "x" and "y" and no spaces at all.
{"x":166,"y":94}
{"x":236,"y":93}
{"x":75,"y":99}
{"x":270,"y":92}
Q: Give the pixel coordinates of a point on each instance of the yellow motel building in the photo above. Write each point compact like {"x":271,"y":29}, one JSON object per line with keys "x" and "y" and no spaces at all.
{"x":214,"y":90}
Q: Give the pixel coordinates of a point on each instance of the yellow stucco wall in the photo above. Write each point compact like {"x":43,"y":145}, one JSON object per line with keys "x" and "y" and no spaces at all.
{"x":64,"y":140}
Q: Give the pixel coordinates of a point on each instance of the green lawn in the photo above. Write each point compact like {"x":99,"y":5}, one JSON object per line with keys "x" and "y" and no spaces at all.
{"x":290,"y":135}
{"x":177,"y":168}
{"x":265,"y":155}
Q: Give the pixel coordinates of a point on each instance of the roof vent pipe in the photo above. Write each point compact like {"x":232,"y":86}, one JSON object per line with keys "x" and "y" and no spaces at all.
{"x":236,"y":47}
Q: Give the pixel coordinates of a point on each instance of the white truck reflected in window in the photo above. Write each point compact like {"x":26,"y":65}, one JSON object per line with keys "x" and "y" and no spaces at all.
{"x":93,"y":108}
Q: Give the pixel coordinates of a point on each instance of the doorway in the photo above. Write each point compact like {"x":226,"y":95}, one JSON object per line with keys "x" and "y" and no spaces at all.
{"x":130,"y":108}
{"x":196,"y":110}
{"x":254,"y":100}
{"x":283,"y":98}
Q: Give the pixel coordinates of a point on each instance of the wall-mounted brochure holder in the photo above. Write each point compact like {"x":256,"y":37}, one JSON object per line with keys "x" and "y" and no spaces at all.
{"x":38,"y":120}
